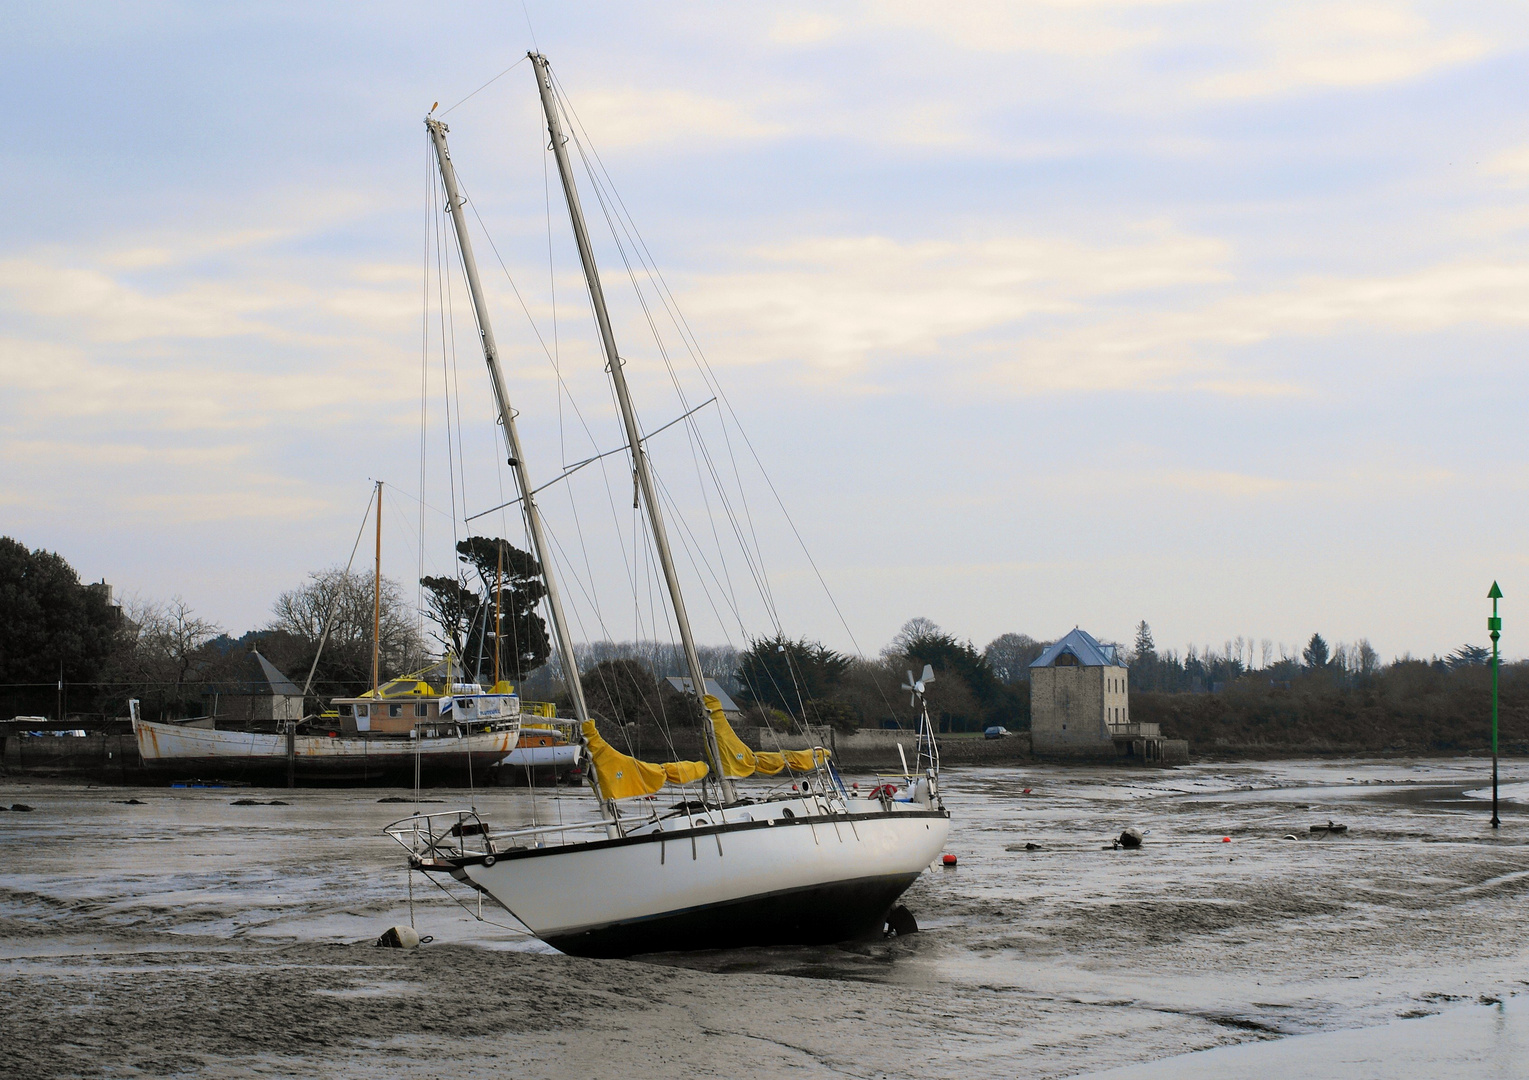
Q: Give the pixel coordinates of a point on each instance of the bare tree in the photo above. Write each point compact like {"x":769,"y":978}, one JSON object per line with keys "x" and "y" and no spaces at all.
{"x":304,"y":611}
{"x":1009,"y":655}
{"x":1266,"y":652}
{"x":161,"y":657}
{"x":914,"y":628}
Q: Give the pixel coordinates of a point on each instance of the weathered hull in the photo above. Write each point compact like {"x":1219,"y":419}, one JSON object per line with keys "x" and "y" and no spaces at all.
{"x":256,"y":754}
{"x":811,"y":878}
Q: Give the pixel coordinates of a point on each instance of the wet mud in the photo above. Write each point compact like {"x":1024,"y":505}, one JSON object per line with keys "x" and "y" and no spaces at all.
{"x":186,"y":936}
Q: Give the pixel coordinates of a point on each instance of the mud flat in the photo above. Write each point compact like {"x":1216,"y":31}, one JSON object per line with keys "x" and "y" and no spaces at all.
{"x":188,"y":936}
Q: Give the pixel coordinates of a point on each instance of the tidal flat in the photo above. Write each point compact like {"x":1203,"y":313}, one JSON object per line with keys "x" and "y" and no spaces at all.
{"x":183,"y":935}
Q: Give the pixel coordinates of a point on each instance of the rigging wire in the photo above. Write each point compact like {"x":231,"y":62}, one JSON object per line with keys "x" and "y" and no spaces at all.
{"x":606,"y":205}
{"x":703,"y":365}
{"x":692,"y":429}
{"x":491,"y":82}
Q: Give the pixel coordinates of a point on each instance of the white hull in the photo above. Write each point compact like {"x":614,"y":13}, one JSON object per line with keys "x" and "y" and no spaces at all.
{"x":772,"y":873}
{"x":173,"y":746}
{"x":561,"y":757}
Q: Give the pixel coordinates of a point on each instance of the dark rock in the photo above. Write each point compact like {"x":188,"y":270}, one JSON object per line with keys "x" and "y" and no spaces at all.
{"x":21,"y":808}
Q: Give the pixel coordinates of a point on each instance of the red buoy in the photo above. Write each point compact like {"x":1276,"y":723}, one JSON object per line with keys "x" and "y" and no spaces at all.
{"x":1027,"y":791}
{"x":949,"y":860}
{"x":1226,"y":839}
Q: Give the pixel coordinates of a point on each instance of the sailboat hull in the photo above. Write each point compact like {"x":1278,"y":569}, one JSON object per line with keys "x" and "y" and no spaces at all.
{"x":801,"y":878}
{"x":812,"y":915}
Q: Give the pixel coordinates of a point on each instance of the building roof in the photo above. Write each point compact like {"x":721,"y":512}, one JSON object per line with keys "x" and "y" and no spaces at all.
{"x":682,"y":684}
{"x":258,"y":677}
{"x":1081,"y":644}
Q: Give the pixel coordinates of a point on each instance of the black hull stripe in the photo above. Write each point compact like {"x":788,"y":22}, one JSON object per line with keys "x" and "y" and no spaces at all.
{"x":813,"y":915}
{"x":707,"y":830}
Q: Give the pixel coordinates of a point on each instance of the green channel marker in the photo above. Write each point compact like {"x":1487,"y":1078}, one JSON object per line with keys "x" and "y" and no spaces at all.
{"x":1494,"y":627}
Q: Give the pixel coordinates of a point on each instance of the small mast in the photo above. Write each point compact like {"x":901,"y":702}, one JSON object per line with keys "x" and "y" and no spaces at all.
{"x":613,"y":364}
{"x":517,"y":461}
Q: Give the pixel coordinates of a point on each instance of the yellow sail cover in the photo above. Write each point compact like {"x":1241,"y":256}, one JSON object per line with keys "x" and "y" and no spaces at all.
{"x":624,"y":777}
{"x":738,"y":760}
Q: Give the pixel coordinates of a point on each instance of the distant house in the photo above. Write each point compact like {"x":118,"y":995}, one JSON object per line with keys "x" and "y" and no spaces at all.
{"x":1080,"y":706}
{"x":257,"y":692}
{"x":1078,"y":692}
{"x":730,"y":708}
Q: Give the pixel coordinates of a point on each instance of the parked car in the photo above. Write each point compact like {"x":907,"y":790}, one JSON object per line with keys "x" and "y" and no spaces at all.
{"x":997,"y":732}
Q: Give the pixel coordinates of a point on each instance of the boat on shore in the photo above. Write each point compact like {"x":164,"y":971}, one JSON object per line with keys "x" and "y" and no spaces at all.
{"x":722,"y":867}
{"x":408,"y":728}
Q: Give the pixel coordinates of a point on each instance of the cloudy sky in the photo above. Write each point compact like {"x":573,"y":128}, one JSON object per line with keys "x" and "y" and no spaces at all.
{"x":1039,"y":314}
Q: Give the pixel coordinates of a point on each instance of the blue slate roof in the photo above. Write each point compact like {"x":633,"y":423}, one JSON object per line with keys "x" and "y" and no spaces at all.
{"x":683,"y":684}
{"x":1081,"y":644}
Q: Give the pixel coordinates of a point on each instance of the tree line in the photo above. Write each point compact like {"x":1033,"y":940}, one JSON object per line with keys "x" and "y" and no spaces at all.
{"x":62,"y":638}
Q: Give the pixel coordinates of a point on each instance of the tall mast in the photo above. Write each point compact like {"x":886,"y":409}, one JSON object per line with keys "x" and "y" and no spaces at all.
{"x":613,"y":364}
{"x":454,"y":203}
{"x":377,"y":604}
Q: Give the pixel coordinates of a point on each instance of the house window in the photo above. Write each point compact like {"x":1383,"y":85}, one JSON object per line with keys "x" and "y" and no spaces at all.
{"x":422,"y":709}
{"x":360,"y":710}
{"x":344,"y":710}
{"x":395,"y":710}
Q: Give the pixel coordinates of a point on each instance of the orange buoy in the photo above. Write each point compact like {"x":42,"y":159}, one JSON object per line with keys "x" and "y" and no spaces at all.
{"x":949,"y":860}
{"x":1226,"y":839}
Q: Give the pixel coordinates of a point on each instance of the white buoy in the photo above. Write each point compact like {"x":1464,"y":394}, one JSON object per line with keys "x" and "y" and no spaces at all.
{"x":399,"y":937}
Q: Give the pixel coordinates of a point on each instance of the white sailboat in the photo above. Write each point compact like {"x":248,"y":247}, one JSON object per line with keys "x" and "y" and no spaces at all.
{"x":728,"y":869}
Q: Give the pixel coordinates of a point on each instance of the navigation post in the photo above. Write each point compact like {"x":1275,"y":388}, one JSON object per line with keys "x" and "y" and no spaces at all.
{"x":1494,"y":627}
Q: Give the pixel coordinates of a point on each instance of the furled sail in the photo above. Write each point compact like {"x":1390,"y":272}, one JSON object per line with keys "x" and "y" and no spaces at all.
{"x":739,"y":760}
{"x":624,"y":777}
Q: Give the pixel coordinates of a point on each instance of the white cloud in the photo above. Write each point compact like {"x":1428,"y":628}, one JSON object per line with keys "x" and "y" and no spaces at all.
{"x":1329,"y":44}
{"x":1074,"y":29}
{"x":639,"y":117}
{"x":804,"y":28}
{"x":840,"y":303}
{"x":1511,"y":167}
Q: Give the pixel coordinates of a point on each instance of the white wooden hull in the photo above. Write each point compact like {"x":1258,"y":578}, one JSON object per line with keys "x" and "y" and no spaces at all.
{"x":759,"y":878}
{"x":559,"y":757}
{"x":230,"y":753}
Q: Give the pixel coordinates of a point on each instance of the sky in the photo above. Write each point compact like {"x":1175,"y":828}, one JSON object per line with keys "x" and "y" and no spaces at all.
{"x":1036,"y":314}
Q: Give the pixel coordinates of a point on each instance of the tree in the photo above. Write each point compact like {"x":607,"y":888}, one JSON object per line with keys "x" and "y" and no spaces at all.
{"x":1315,"y":654}
{"x":1467,"y":656}
{"x":627,"y":692}
{"x":51,"y":627}
{"x":914,"y":628}
{"x":466,"y":616}
{"x":966,"y":693}
{"x":1010,"y":655}
{"x":164,"y":653}
{"x":1144,"y":644}
{"x":345,"y":665}
{"x":792,"y":676}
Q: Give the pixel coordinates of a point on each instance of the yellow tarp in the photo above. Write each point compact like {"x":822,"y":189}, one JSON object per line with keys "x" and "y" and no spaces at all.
{"x":624,"y":777}
{"x":739,"y":760}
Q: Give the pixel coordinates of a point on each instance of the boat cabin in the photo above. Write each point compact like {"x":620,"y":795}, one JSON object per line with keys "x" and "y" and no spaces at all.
{"x":409,"y":705}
